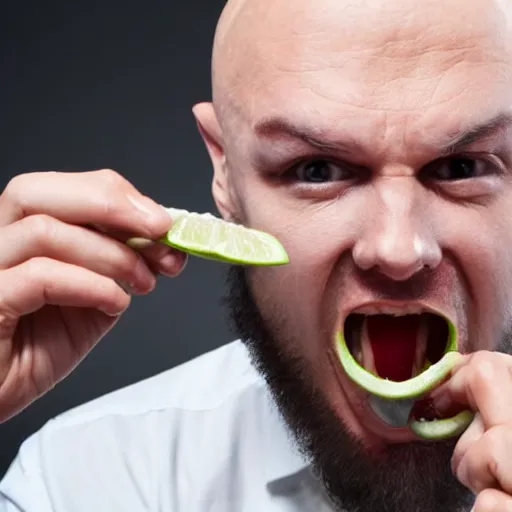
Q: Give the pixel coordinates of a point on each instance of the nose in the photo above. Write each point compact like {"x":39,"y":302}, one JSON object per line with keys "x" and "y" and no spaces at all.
{"x":397,"y":239}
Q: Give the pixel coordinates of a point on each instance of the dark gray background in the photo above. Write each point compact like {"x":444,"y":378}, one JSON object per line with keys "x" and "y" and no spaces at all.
{"x":89,"y":85}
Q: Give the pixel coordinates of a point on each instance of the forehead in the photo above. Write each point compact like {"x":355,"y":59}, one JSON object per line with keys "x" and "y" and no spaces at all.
{"x":372,"y":65}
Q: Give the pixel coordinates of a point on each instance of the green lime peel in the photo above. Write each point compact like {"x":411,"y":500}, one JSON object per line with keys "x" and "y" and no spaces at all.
{"x":412,"y":388}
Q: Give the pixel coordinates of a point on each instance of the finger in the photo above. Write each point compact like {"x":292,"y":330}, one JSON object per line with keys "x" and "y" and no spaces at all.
{"x":39,"y":281}
{"x":492,"y":500}
{"x":98,"y":197}
{"x":479,"y":382}
{"x":44,"y":236}
{"x":161,"y":258}
{"x":472,"y":434}
{"x":487,"y":463}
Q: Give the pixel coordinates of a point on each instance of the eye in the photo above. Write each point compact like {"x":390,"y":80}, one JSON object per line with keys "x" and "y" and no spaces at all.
{"x":459,"y":168}
{"x":320,"y":171}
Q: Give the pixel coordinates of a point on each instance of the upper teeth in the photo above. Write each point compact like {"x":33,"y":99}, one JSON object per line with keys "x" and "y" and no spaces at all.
{"x":363,"y":350}
{"x":421,"y":348}
{"x":390,"y":310}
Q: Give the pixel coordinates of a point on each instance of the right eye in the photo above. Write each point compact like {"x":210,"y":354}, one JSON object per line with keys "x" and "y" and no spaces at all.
{"x":321,"y":171}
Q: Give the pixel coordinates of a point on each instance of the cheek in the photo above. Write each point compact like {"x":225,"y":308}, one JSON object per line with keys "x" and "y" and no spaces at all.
{"x":296,"y":293}
{"x":313,"y":233}
{"x":314,"y":240}
{"x":317,"y":236}
{"x":294,"y":306}
{"x":481,"y":242}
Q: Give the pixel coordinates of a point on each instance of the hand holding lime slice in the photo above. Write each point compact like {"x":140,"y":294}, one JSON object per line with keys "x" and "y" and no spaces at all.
{"x":207,"y":236}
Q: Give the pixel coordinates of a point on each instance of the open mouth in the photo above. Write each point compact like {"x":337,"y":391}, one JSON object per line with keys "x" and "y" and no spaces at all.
{"x":396,"y":347}
{"x":398,"y":357}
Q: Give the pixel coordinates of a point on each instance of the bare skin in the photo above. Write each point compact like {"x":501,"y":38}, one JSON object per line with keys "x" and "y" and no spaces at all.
{"x":381,"y":95}
{"x":62,"y":283}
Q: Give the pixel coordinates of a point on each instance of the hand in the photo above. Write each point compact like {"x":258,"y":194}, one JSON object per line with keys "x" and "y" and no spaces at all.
{"x":64,"y":271}
{"x":482,"y":459}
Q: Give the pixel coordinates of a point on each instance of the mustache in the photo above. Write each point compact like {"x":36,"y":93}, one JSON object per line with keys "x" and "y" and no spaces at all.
{"x":420,"y":285}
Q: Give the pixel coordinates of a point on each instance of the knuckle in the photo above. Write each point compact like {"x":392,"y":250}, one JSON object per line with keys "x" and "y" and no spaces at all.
{"x":42,"y":228}
{"x":109,"y":198}
{"x":13,"y":189}
{"x":38,"y":265}
{"x":110,"y":178}
{"x":480,"y":357}
{"x":37,"y":269}
{"x":108,"y":204}
{"x":15,"y":192}
{"x":482,"y":366}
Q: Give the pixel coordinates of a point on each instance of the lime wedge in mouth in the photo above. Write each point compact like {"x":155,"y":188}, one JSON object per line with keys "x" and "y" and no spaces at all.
{"x":210,"y":237}
{"x":400,"y":393}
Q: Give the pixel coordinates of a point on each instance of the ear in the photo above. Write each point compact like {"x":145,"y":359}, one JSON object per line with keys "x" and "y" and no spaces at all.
{"x":211,"y":132}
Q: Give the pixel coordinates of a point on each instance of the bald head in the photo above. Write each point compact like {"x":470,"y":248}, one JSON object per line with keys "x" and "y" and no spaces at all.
{"x":260,"y":44}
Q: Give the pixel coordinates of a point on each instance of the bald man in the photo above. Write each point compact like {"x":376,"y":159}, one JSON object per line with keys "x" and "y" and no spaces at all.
{"x":374,"y":140}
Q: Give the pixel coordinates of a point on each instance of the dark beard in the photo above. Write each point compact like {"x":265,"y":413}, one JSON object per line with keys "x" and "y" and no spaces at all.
{"x":413,"y":477}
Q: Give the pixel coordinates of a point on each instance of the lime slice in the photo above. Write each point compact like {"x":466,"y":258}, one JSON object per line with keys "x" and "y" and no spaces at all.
{"x":443,"y":429}
{"x":411,"y":388}
{"x":210,"y":237}
{"x":415,"y":387}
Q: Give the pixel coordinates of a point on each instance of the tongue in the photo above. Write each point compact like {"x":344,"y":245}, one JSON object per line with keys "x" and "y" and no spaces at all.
{"x":393,"y":341}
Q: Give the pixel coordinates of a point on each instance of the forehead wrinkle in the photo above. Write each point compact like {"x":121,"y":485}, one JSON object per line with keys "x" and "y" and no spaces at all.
{"x":250,"y":64}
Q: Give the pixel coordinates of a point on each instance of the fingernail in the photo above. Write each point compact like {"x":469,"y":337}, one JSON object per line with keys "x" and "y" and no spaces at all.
{"x":112,"y":314}
{"x":128,"y":288}
{"x":139,"y":243}
{"x":147,"y":207}
{"x":172,"y":263}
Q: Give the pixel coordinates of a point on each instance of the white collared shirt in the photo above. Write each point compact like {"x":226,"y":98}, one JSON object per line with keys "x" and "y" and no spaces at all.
{"x":202,"y":437}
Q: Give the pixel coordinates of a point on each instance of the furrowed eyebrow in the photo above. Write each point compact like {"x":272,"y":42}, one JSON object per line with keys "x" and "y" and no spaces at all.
{"x":280,"y":127}
{"x":477,"y":133}
{"x":275,"y":127}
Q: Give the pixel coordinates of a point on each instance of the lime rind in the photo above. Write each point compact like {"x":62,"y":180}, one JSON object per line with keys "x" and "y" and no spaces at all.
{"x":415,"y":387}
{"x":209,"y":237}
{"x":385,"y":388}
{"x":442,"y":429}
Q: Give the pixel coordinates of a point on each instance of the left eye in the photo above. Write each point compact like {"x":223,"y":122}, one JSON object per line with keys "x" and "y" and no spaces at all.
{"x":320,"y":171}
{"x":454,"y":169}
